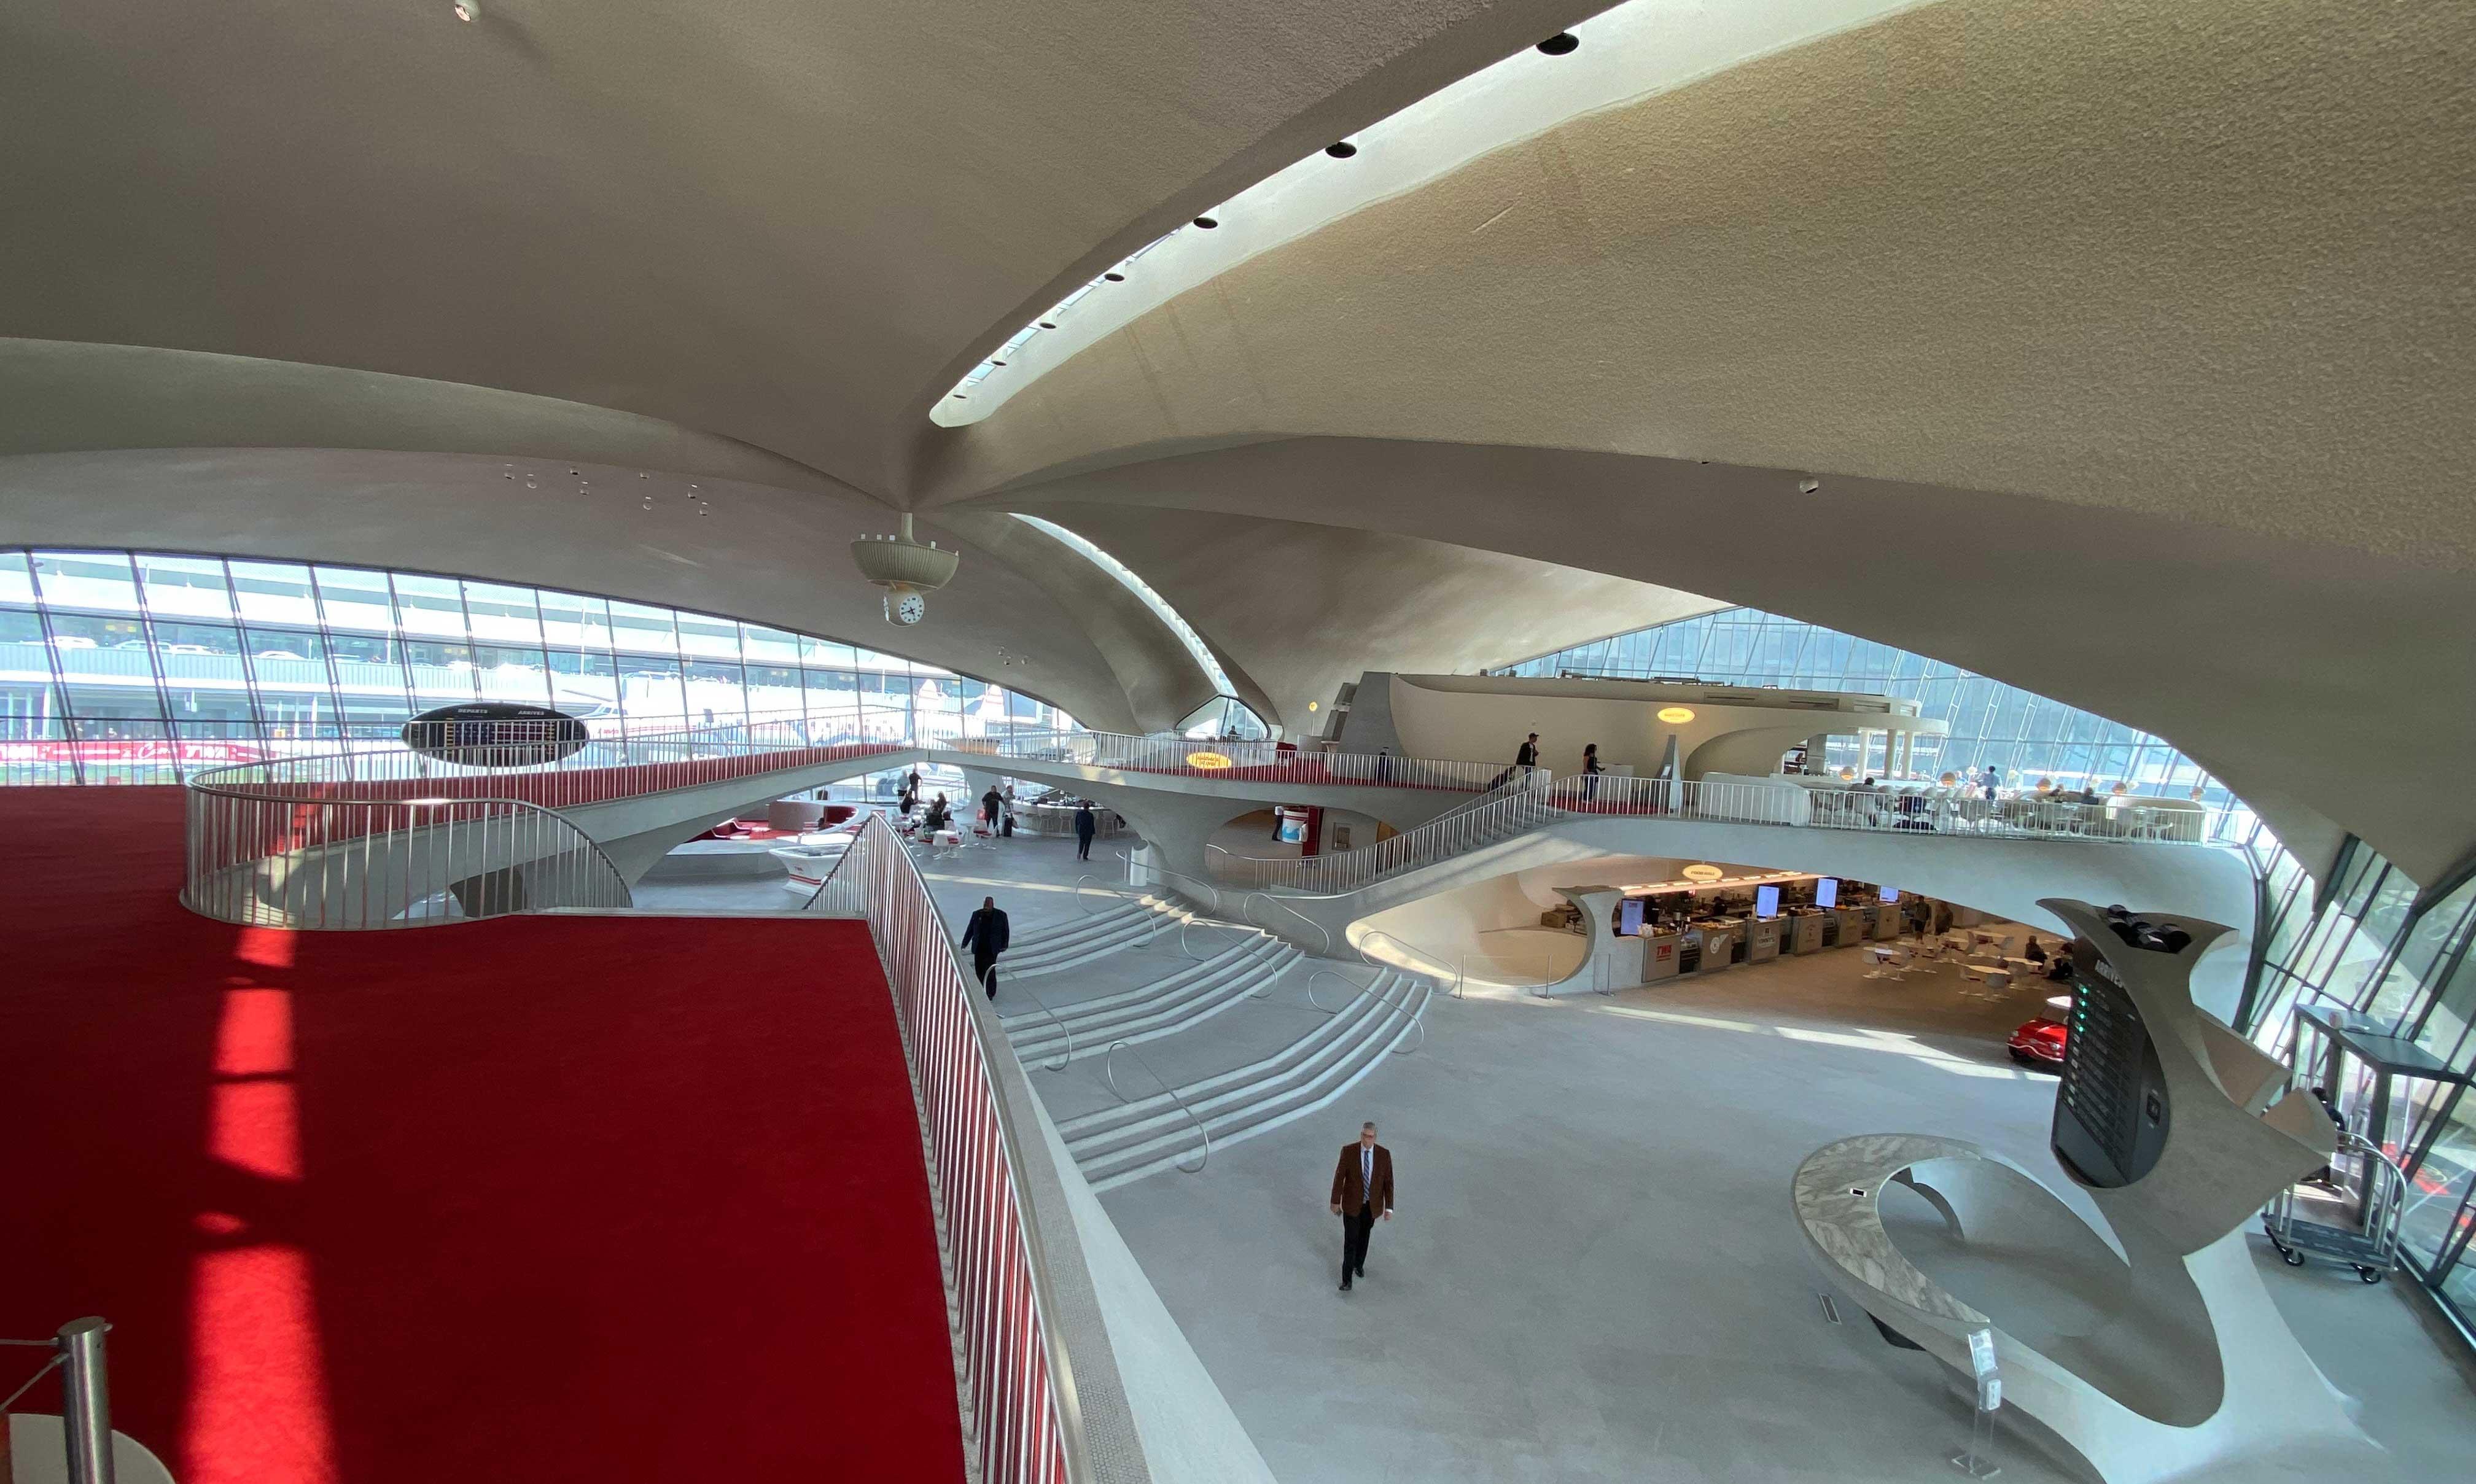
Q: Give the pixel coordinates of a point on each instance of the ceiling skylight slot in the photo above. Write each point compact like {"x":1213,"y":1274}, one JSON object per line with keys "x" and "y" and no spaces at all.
{"x":1196,"y":648}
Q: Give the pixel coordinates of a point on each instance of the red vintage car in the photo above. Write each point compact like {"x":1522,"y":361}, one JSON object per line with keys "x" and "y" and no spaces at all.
{"x":2040,"y":1043}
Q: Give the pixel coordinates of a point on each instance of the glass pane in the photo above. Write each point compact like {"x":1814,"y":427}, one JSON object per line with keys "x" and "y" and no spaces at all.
{"x":274,"y":592}
{"x":584,"y":686}
{"x":769,"y":644}
{"x":814,"y":650}
{"x":649,"y":689}
{"x":502,"y":613}
{"x":518,"y":676}
{"x":441,"y":673}
{"x":86,"y":579}
{"x":573,"y":620}
{"x":353,"y":599}
{"x":429,"y":606}
{"x":184,"y":586}
{"x":773,"y":691}
{"x":637,"y":627}
{"x":716,"y":692}
{"x":702,"y":633}
{"x":106,"y":665}
{"x":16,"y":578}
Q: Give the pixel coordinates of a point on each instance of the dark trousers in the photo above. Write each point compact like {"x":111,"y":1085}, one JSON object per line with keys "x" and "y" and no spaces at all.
{"x":1357,"y":1227}
{"x":985,"y":967}
{"x":1082,"y":847}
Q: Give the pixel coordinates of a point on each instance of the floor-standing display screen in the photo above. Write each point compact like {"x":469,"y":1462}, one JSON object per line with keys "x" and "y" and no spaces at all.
{"x":1767,"y":901}
{"x":2110,"y":1106}
{"x":1629,"y":917}
{"x":1826,"y":892}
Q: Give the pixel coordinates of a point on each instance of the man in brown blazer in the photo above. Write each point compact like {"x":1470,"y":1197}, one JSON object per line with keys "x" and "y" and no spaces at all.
{"x":1362,"y":1190}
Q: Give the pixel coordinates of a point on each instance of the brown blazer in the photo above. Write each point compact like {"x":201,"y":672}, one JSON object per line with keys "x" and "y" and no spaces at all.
{"x":1349,"y":1188}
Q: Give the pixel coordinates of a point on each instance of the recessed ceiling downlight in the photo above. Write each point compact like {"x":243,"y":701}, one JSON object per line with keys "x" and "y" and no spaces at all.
{"x":1341,"y":150}
{"x":468,"y":10}
{"x":1115,"y":278}
{"x":1206,"y":223}
{"x":1562,"y":44}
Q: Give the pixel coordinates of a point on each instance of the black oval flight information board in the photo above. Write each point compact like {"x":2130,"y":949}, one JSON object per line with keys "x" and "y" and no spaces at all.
{"x":495,"y":734}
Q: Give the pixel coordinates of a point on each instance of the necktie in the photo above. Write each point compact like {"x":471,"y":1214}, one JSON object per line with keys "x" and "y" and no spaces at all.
{"x":1366,"y":1174}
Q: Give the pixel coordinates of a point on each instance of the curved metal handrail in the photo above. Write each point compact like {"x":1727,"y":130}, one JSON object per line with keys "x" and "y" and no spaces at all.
{"x":1459,"y":973}
{"x":1417,"y":1016}
{"x":1063,"y":1027}
{"x":217,"y":847}
{"x":1194,"y":922}
{"x":1109,"y":1075}
{"x":1210,"y":890}
{"x":1115,"y":896}
{"x":1246,"y":911}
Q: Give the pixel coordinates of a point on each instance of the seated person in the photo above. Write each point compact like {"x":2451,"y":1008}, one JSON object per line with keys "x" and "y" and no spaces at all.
{"x":938,"y":814}
{"x":2032,"y":953}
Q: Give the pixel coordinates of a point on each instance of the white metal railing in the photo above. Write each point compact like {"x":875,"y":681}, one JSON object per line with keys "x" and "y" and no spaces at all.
{"x":1015,"y":1372}
{"x":386,"y":864}
{"x":1247,"y":911}
{"x":1530,"y":803}
{"x":1358,"y":991}
{"x":601,"y":770}
{"x":1517,"y":806}
{"x":1250,"y":761}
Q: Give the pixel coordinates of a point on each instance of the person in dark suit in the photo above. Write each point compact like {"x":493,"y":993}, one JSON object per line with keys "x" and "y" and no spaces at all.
{"x":1085,"y":828}
{"x":1527,"y":756}
{"x":987,"y":935}
{"x":1362,"y":1191}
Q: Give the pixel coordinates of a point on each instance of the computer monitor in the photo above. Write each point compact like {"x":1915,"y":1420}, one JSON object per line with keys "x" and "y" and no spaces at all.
{"x":1629,"y":917}
{"x":1891,"y":894}
{"x":1826,"y":892}
{"x":1767,"y":901}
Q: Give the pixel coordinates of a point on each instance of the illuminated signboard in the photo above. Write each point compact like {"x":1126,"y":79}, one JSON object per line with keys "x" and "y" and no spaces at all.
{"x":1703,"y":872}
{"x":1676,"y":715}
{"x":1209,"y":762}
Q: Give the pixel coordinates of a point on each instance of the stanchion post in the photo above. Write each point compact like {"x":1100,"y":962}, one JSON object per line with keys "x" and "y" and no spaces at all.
{"x":88,"y":1422}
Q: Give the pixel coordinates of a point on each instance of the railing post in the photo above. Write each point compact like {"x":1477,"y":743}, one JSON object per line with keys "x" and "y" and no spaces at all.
{"x":88,"y":1424}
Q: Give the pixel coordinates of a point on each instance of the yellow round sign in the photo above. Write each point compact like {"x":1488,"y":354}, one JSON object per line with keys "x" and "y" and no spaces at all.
{"x":1676,"y":715}
{"x":1703,"y":872}
{"x":1210,"y":762}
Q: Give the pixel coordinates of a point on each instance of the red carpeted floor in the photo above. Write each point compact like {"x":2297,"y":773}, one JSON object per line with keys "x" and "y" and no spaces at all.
{"x":537,"y":1199}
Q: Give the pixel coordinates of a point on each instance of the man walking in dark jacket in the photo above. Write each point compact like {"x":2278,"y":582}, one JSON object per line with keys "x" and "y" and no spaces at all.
{"x":1085,"y":828}
{"x":1362,"y":1194}
{"x":987,"y":935}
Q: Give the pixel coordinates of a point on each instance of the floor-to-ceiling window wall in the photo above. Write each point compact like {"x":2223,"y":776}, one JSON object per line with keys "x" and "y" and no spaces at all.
{"x":2025,"y":735}
{"x":2374,"y":944}
{"x":123,"y":665}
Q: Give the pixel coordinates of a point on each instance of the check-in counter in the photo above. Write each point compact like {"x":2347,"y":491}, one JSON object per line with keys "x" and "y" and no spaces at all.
{"x":1853,"y":923}
{"x":1804,"y":931}
{"x":1735,"y":927}
{"x":1659,"y":956}
{"x":1762,"y":939}
{"x":1886,"y":922}
{"x":1719,"y":946}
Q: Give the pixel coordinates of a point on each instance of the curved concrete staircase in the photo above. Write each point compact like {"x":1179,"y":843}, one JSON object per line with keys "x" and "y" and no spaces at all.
{"x":1190,"y":996}
{"x":1130,"y":923}
{"x":1120,"y":1145}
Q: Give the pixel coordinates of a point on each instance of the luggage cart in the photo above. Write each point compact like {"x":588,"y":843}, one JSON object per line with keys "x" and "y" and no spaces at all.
{"x":2351,"y":1212}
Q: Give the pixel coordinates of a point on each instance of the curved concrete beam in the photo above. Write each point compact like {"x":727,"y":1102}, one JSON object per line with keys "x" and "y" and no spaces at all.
{"x":762,"y":553}
{"x":1303,"y":609}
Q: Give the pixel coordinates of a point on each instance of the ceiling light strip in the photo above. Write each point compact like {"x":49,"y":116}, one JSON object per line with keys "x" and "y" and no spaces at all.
{"x":1632,"y":51}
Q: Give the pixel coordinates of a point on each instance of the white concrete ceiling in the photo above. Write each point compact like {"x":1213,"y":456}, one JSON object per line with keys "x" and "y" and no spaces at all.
{"x":2130,"y":340}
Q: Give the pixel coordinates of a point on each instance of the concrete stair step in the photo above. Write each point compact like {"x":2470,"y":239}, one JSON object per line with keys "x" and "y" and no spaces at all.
{"x":1096,"y":1133}
{"x":1029,"y":1021}
{"x":1272,"y":1102}
{"x":1106,"y":933}
{"x":1197,"y":1001}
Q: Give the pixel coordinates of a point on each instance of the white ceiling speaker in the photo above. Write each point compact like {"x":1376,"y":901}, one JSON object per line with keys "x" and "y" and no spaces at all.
{"x":907,"y":569}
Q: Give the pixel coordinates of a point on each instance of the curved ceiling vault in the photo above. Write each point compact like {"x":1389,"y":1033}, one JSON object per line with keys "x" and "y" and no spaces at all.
{"x":2130,"y":344}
